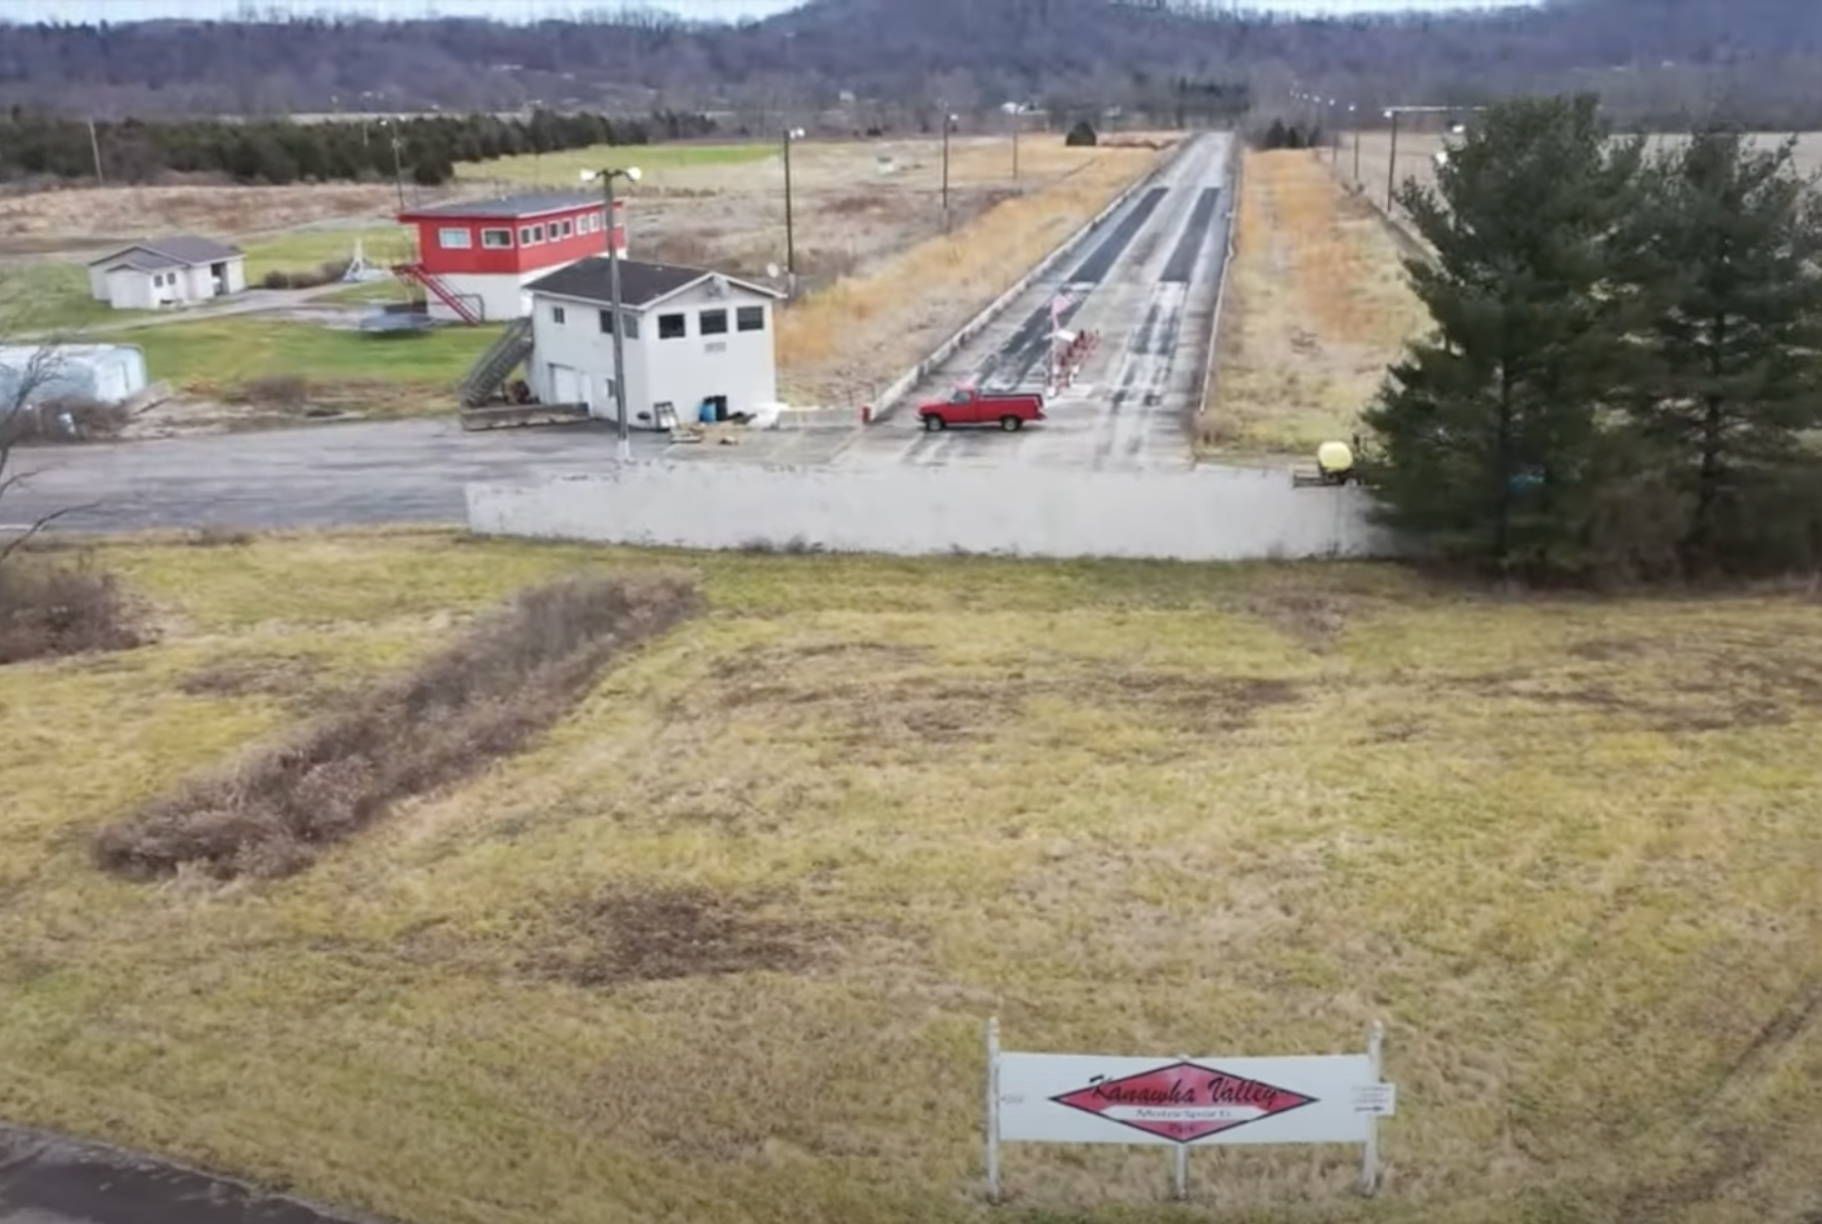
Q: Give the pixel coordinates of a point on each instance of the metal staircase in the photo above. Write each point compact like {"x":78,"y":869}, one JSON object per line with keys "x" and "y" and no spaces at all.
{"x":490,"y":372}
{"x":417,"y":273}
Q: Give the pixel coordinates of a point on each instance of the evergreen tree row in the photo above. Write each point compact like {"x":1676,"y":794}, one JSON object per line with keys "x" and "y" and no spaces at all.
{"x":1625,"y":374}
{"x":36,"y":145}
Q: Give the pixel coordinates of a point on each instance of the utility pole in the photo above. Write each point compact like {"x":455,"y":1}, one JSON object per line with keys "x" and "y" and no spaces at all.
{"x":398,"y":157}
{"x":630,"y":174}
{"x":790,"y":227}
{"x":95,"y":151}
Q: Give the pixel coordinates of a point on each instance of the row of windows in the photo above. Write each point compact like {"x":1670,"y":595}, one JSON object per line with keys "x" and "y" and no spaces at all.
{"x":499,"y":238}
{"x":676,"y":326}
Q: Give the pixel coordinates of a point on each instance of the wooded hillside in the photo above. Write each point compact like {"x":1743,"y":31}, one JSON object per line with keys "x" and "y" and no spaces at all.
{"x":1659,"y":59}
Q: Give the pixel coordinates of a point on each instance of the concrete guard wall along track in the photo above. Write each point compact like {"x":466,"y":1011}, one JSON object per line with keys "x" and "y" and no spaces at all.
{"x":1236,"y":188}
{"x":895,"y":393}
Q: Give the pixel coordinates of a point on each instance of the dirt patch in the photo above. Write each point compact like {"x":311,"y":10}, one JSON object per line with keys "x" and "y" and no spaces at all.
{"x":514,"y":674}
{"x":1314,"y":619}
{"x":1605,"y":650}
{"x":665,"y":934}
{"x":950,"y":709}
{"x":1701,"y":693}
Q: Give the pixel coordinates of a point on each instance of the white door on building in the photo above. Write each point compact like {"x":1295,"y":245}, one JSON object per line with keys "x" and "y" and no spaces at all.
{"x":565,"y":385}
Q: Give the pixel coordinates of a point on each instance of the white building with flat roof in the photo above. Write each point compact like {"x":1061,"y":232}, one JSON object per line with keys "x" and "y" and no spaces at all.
{"x":699,"y":345}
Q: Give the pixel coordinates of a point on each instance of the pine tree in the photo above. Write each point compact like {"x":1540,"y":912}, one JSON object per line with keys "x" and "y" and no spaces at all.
{"x":1486,"y":444}
{"x":1724,"y":255}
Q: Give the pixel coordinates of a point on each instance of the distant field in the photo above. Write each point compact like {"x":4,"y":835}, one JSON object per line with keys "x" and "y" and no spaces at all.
{"x":719,"y":948}
{"x":566,"y":166}
{"x":1417,"y":149}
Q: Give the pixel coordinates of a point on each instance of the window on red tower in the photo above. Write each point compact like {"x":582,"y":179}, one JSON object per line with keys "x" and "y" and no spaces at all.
{"x":497,"y":239}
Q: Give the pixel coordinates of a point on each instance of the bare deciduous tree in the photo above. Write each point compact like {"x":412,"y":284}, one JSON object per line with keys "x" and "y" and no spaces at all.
{"x":32,"y":366}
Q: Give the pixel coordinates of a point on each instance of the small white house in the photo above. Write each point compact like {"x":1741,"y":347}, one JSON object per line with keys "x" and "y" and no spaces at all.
{"x":178,"y":271}
{"x":699,"y":345}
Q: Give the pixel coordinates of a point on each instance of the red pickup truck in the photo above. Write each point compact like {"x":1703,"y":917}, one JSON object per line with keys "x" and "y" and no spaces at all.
{"x":967,"y":406}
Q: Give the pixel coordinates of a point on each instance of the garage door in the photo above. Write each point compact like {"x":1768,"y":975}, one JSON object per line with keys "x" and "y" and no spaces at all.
{"x":565,"y":385}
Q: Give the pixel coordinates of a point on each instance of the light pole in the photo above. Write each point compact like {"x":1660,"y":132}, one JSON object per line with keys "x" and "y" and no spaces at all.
{"x":1015,"y":115}
{"x":1334,"y":136}
{"x":607,"y":177}
{"x":1391,"y":161}
{"x":1392,"y":113}
{"x":1355,"y":124}
{"x":949,"y":122}
{"x":790,"y":227}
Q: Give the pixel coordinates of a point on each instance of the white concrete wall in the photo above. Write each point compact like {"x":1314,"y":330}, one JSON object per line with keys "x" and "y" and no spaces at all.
{"x":1206,"y":514}
{"x":681,"y":372}
{"x":501,"y":296}
{"x":98,"y":282}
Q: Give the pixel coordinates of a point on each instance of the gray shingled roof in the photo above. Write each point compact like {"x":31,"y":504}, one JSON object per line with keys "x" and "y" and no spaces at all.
{"x":531,"y":204}
{"x":141,"y":260}
{"x":640,"y":283}
{"x":177,"y":251}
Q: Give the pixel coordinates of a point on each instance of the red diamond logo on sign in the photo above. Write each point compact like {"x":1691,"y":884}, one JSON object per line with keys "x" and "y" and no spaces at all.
{"x":1182,"y":1101}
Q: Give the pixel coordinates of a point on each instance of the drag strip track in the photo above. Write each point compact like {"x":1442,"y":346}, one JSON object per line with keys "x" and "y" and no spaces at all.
{"x":1147,"y":291}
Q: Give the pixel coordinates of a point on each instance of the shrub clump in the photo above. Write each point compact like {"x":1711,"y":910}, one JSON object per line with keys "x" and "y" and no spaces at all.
{"x":513,"y":675}
{"x":47,"y":611}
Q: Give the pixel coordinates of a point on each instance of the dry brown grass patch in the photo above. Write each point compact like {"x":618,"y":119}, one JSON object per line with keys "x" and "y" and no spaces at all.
{"x":514,"y":674}
{"x":48,"y":610}
{"x":1317,"y":307}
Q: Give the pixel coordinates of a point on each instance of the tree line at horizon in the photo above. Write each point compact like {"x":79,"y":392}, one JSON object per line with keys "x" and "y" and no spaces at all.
{"x":37,"y":146}
{"x":1624,"y":374}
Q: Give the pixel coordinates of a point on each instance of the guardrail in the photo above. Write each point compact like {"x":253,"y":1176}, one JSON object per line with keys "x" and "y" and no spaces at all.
{"x":1236,"y":198}
{"x":895,"y":393}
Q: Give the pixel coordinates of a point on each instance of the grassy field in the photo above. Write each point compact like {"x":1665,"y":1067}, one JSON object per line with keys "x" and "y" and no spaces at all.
{"x":52,"y":297}
{"x":1317,"y":306}
{"x":308,"y":249}
{"x":720,"y":947}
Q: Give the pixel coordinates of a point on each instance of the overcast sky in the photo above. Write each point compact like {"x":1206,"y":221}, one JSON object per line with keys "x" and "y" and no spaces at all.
{"x":134,"y":10}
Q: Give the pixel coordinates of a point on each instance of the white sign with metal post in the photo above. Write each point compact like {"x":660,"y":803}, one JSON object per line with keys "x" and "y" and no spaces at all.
{"x":1186,"y":1102}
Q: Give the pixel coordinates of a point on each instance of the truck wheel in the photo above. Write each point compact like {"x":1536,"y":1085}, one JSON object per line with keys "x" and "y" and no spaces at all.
{"x":1010,"y":424}
{"x":932,"y":423}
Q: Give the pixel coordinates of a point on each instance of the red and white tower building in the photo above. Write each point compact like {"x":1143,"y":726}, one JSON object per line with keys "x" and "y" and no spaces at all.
{"x":476,"y":257}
